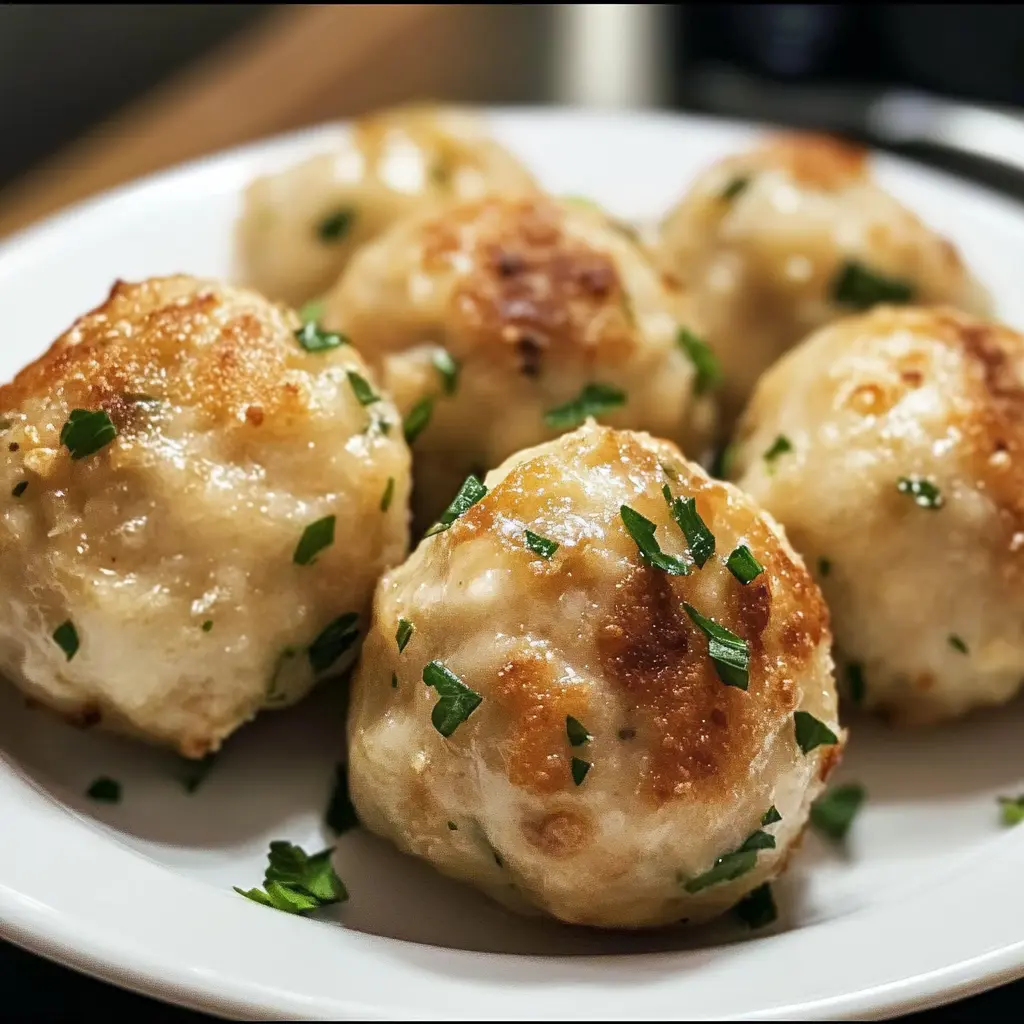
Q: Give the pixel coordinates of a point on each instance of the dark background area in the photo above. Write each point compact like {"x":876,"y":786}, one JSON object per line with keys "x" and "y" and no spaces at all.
{"x":66,"y":68}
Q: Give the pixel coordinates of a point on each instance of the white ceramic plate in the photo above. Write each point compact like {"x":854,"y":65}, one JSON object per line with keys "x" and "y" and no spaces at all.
{"x":923,"y":905}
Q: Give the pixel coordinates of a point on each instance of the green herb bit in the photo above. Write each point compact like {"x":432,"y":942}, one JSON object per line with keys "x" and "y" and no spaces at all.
{"x":447,"y":366}
{"x":593,"y":400}
{"x":700,"y":539}
{"x":272,"y":695}
{"x":579,"y":770}
{"x":336,"y":225}
{"x":403,"y":634}
{"x":19,"y":488}
{"x":859,"y":287}
{"x":780,"y":446}
{"x":419,"y":416}
{"x":731,"y":866}
{"x":642,"y":531}
{"x":86,"y":432}
{"x":335,"y":639}
{"x":757,"y":909}
{"x":724,"y":461}
{"x":105,"y":790}
{"x":576,"y":731}
{"x":957,"y":643}
{"x":811,"y":733}
{"x":1011,"y":810}
{"x":296,"y":882}
{"x":313,"y":338}
{"x":832,"y":814}
{"x":709,"y":373}
{"x":388,"y":495}
{"x":340,"y":815}
{"x":729,"y":653}
{"x":314,"y":539}
{"x":743,"y":565}
{"x":855,"y":685}
{"x":312,"y":311}
{"x":540,"y":545}
{"x":207,"y":625}
{"x":456,"y":701}
{"x":471,"y":491}
{"x":924,"y":493}
{"x":66,"y":638}
{"x":735,"y":187}
{"x":770,"y":816}
{"x":361,"y":389}
{"x":196,"y":772}
{"x":824,"y":567}
{"x":452,"y":827}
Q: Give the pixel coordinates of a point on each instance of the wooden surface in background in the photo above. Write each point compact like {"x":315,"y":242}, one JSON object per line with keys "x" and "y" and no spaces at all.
{"x":300,"y":66}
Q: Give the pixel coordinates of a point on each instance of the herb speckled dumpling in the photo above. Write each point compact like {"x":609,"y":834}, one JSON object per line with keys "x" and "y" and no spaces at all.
{"x":592,"y":703}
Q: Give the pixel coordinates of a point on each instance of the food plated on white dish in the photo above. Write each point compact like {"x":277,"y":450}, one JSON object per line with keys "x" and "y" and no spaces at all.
{"x":596,"y":681}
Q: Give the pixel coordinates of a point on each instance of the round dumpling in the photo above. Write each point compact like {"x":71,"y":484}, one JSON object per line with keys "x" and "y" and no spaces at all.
{"x":197,"y":508}
{"x":548,"y":709}
{"x":507,"y":321}
{"x":782,"y":239}
{"x":300,"y":227}
{"x":891,"y":447}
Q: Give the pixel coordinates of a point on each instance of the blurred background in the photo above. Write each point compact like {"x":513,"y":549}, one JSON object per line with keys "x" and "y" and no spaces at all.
{"x":97,"y":94}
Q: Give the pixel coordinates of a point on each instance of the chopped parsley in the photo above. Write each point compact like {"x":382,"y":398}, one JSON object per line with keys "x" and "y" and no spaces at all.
{"x":19,"y":488}
{"x":576,"y":731}
{"x":207,"y":625}
{"x":724,"y":461}
{"x":361,"y":389}
{"x":579,"y":770}
{"x":394,"y":680}
{"x":312,"y":311}
{"x":1011,"y":810}
{"x":335,"y":226}
{"x":66,"y":638}
{"x":314,"y":539}
{"x":389,"y":493}
{"x":735,"y":187}
{"x":743,"y":565}
{"x":858,"y":286}
{"x":452,"y":827}
{"x":642,"y":531}
{"x":448,"y":368}
{"x":196,"y":772}
{"x":924,"y":493}
{"x":335,"y":639}
{"x":709,"y":373}
{"x":699,"y":538}
{"x":296,"y":882}
{"x":105,"y":790}
{"x":456,"y":701}
{"x":779,"y":446}
{"x":855,"y":685}
{"x":729,"y":653}
{"x":824,"y":566}
{"x":340,"y":815}
{"x":403,"y":634}
{"x":540,"y":545}
{"x":471,"y":491}
{"x":731,"y":866}
{"x":593,"y":400}
{"x":757,"y":909}
{"x":419,"y":416}
{"x":811,"y":733}
{"x":957,"y":643}
{"x":86,"y":432}
{"x":832,"y":814}
{"x":313,"y":338}
{"x":770,"y":816}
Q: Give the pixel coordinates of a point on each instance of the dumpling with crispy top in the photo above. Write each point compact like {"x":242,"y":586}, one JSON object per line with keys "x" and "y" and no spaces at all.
{"x":197,"y":503}
{"x":601,"y":688}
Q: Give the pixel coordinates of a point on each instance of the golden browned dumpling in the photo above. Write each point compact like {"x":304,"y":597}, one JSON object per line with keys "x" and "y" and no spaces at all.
{"x":784,"y":238}
{"x":196,"y":508}
{"x":300,"y":227}
{"x":507,"y":321}
{"x":548,"y":708}
{"x":891,"y":446}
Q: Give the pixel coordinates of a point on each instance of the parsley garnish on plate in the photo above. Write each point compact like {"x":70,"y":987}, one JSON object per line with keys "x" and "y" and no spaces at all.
{"x":340,"y":815}
{"x":19,"y":488}
{"x":336,"y":225}
{"x":389,"y":493}
{"x":735,"y":187}
{"x":729,"y":653}
{"x":824,"y":567}
{"x":855,"y":685}
{"x":770,"y":816}
{"x":957,"y":643}
{"x":105,"y":790}
{"x":924,"y":493}
{"x":743,"y":565}
{"x":207,"y":625}
{"x":811,"y":732}
{"x":832,"y":813}
{"x":456,"y":701}
{"x":731,"y":866}
{"x":757,"y":909}
{"x":312,"y":311}
{"x":196,"y":772}
{"x":66,"y":638}
{"x":780,"y":446}
{"x":296,"y":882}
{"x":579,"y":770}
{"x":576,"y":732}
{"x":86,"y":432}
{"x":403,"y":634}
{"x":858,"y":286}
{"x":1011,"y":810}
{"x":471,"y":491}
{"x":335,"y":639}
{"x":447,"y":366}
{"x":593,"y":400}
{"x":416,"y":421}
{"x":709,"y":373}
{"x":314,"y":539}
{"x":540,"y":545}
{"x":700,"y":539}
{"x":361,"y":389}
{"x":313,"y":338}
{"x":642,"y":531}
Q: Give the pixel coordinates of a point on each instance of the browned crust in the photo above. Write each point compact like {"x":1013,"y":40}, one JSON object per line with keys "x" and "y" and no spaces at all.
{"x":820,"y":161}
